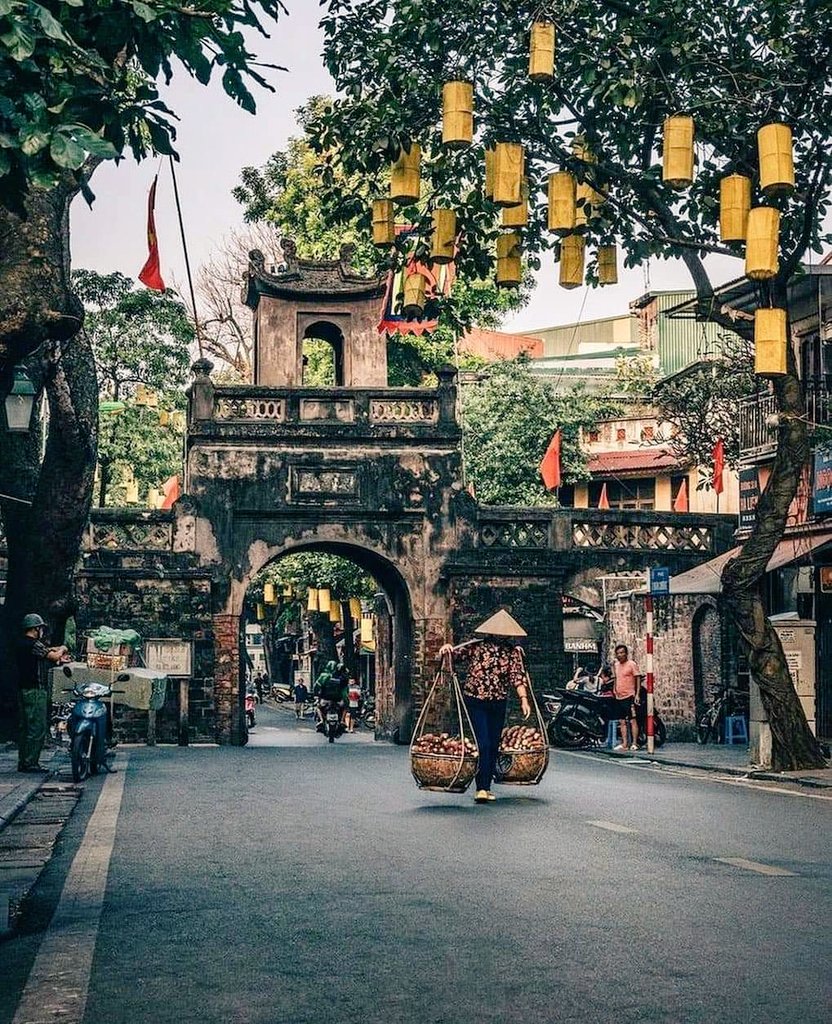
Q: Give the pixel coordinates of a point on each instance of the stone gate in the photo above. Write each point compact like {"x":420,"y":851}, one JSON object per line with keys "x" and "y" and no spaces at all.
{"x":359,"y":469}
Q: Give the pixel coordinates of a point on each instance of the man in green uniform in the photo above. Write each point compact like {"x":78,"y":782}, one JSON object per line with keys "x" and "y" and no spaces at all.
{"x":33,"y":658}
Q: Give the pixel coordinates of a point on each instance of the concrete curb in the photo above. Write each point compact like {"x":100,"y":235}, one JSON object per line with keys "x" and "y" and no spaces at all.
{"x":745,"y":772}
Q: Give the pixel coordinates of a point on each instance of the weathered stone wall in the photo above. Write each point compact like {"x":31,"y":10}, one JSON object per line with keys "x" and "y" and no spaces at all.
{"x":679,"y":689}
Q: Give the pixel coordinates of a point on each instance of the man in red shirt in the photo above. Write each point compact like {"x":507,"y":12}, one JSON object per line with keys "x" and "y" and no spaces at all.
{"x":627,"y":694}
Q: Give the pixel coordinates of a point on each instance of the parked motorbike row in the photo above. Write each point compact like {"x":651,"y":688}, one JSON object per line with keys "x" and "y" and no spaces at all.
{"x":579,"y":718}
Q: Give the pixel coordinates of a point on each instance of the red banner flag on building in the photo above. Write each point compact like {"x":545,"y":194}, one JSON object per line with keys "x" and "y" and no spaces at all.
{"x":604,"y":501}
{"x":171,"y":490}
{"x":681,"y":502}
{"x":719,"y":466}
{"x":150,"y":275}
{"x":550,"y":466}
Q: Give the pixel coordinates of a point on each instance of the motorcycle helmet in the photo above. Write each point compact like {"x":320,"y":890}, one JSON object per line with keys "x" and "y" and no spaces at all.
{"x":32,"y":621}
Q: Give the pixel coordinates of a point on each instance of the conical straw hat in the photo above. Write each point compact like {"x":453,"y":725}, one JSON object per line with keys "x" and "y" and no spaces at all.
{"x":501,"y":624}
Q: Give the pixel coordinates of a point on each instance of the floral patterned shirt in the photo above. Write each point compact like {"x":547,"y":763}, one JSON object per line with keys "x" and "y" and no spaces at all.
{"x":492,"y":668}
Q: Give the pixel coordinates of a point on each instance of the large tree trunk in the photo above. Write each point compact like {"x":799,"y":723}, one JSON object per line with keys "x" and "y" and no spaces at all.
{"x":39,"y":314}
{"x":793,"y":745}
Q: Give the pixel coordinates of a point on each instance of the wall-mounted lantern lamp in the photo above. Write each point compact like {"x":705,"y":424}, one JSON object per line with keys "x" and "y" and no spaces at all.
{"x":20,"y":402}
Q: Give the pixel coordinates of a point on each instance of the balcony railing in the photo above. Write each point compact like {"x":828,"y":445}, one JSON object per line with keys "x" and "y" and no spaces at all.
{"x":758,"y":418}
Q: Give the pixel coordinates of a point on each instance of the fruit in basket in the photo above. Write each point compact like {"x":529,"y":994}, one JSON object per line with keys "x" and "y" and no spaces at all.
{"x":444,"y":743}
{"x":522,"y":738}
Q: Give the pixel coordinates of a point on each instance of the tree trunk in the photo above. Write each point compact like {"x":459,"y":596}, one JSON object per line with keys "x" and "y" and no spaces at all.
{"x":39,"y":313}
{"x":793,"y":745}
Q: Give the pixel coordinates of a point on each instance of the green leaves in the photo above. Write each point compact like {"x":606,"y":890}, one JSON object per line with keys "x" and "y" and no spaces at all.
{"x":65,"y":152}
{"x":19,"y":41}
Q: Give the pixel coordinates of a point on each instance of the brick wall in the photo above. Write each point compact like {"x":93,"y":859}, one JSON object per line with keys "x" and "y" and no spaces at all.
{"x":683,"y":625}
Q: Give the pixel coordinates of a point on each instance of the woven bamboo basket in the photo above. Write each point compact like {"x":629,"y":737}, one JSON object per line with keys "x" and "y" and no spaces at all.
{"x":405,"y":176}
{"x":607,"y":264}
{"x":562,"y":192}
{"x":761,"y":260}
{"x":508,"y":173}
{"x":774,"y":148}
{"x":572,"y":251}
{"x":443,"y":241}
{"x":542,"y":51}
{"x":734,"y":207}
{"x":444,"y":721}
{"x":509,"y":260}
{"x":770,"y":341}
{"x":384,"y":223}
{"x":523,"y":754}
{"x":677,"y":151}
{"x":457,"y":114}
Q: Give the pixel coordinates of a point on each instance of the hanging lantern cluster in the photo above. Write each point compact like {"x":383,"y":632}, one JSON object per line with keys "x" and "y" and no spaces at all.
{"x":542,"y":51}
{"x":677,"y":151}
{"x":269,"y":594}
{"x":734,"y":207}
{"x":443,"y":242}
{"x":509,"y":261}
{"x":508,"y":173}
{"x":405,"y":175}
{"x":384,"y":222}
{"x":457,"y":114}
{"x":770,"y":342}
{"x":572,"y":254}
{"x":414,"y":294}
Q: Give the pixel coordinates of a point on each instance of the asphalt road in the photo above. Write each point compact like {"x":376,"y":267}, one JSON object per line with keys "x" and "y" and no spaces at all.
{"x":312,"y":883}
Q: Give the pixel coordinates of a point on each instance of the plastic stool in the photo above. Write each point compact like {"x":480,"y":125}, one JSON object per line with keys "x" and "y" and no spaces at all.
{"x":612,"y":733}
{"x":736,"y":731}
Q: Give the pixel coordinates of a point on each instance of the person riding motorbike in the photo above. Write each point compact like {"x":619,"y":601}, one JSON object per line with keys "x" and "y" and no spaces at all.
{"x":329,"y":689}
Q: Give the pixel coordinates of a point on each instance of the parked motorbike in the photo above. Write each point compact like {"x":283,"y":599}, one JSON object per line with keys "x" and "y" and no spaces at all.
{"x":251,"y":700}
{"x":330,"y":725}
{"x":580,"y":717}
{"x":87,"y":727}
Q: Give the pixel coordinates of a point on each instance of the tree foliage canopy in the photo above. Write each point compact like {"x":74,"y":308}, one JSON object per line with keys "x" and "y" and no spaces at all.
{"x":80,"y":79}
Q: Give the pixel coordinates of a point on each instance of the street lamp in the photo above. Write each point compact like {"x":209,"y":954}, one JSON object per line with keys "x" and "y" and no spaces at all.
{"x":20,"y":402}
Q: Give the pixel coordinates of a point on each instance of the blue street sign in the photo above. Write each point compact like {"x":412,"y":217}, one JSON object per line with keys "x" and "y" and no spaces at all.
{"x":658,"y":581}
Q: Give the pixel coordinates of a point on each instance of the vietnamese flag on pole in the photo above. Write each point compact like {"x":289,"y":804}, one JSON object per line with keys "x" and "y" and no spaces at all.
{"x":149,"y":274}
{"x":171,"y":491}
{"x":550,"y":466}
{"x":681,"y":502}
{"x":604,"y":501}
{"x":719,"y":466}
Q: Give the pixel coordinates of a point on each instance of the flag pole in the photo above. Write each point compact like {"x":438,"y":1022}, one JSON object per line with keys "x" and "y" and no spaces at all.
{"x":187,"y":260}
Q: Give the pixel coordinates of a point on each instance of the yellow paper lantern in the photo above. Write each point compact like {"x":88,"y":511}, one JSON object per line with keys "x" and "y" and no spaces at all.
{"x":562,"y":192}
{"x":355,"y":609}
{"x":312,"y":600}
{"x":517,"y":216}
{"x":405,"y":178}
{"x":261,"y":613}
{"x":288,"y":591}
{"x":572,"y":252}
{"x":335,"y":611}
{"x":366,"y":630}
{"x":384,"y":222}
{"x":584,"y":196}
{"x":734,"y":207}
{"x":164,"y":418}
{"x":677,"y":151}
{"x":154,"y":498}
{"x":774,"y":147}
{"x":489,"y":173}
{"x":761,"y":259}
{"x":132,"y":495}
{"x":457,"y":114}
{"x":607,"y":264}
{"x":508,"y":173}
{"x":414,"y":295}
{"x":269,"y":595}
{"x":145,"y":397}
{"x":542,"y":51}
{"x":443,"y":242}
{"x":324,"y":599}
{"x":509,"y":262}
{"x":770,"y":342}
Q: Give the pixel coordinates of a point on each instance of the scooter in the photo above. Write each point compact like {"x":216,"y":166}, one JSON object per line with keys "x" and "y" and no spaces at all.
{"x":87,"y":728}
{"x":583,"y":717}
{"x":330,"y":725}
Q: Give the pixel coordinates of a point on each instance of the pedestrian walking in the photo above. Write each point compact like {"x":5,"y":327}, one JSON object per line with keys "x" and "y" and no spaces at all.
{"x":353,"y":708}
{"x":495,"y":663}
{"x":301,"y":694}
{"x":33,"y":658}
{"x":627,"y":694}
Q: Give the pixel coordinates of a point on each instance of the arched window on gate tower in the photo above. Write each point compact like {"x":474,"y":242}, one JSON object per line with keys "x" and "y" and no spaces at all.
{"x":323,"y":355}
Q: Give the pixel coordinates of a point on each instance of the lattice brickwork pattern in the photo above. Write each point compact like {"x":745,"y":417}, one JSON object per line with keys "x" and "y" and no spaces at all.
{"x":250,"y":409}
{"x":655,"y":537}
{"x":403,"y":411}
{"x":514,"y":535}
{"x":133,"y":536}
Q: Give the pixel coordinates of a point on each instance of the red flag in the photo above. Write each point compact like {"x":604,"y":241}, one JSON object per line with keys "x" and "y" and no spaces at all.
{"x":719,"y":466}
{"x":681,"y":502}
{"x":149,"y":274}
{"x":550,"y":466}
{"x":604,"y":501}
{"x":171,"y":490}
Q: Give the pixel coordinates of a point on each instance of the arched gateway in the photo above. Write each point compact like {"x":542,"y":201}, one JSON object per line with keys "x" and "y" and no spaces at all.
{"x":359,"y":469}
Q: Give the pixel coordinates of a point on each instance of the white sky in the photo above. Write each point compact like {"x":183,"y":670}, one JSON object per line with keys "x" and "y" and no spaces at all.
{"x":216,"y":139}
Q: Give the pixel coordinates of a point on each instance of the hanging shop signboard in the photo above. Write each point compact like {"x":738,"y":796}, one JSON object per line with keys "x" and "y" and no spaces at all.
{"x":749,"y":496}
{"x":822,"y":483}
{"x":173,"y":657}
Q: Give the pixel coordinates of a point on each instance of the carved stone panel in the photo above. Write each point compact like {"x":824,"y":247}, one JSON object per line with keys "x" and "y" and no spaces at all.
{"x":327,"y":484}
{"x":342,"y":410}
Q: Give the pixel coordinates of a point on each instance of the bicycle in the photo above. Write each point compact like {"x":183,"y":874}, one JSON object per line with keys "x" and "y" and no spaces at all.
{"x":711,"y":722}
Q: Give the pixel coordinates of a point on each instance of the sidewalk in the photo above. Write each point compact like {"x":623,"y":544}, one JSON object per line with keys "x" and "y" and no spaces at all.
{"x":733,"y":760}
{"x":17,"y":789}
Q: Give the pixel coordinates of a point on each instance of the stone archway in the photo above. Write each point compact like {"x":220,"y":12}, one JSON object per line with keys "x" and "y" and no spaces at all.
{"x":394,"y":696}
{"x":706,"y":650}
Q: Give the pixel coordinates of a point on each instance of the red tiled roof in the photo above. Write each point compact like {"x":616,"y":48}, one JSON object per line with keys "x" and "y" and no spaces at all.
{"x":500,"y":344}
{"x":628,"y":461}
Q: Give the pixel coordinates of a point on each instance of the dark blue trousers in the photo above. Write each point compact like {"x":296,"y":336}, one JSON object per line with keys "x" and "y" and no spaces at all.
{"x":487,"y":718}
